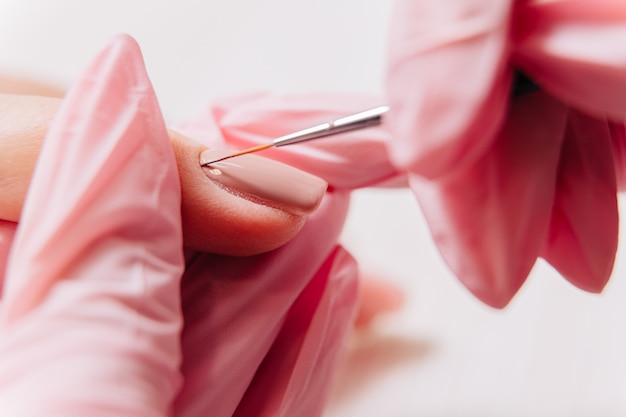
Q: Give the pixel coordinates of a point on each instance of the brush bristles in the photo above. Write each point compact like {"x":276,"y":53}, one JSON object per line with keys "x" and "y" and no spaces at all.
{"x":245,"y":151}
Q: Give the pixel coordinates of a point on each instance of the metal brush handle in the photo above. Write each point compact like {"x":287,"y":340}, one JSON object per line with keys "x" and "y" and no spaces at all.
{"x":367,"y":118}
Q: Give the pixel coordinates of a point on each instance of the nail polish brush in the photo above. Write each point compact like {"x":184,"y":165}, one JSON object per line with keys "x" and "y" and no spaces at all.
{"x":360,"y":120}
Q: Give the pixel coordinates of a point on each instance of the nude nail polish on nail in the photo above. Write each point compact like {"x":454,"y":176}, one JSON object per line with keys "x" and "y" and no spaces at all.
{"x":266,"y":181}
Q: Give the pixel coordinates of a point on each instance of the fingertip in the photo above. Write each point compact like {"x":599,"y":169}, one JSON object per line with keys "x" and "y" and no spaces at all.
{"x":218,"y":218}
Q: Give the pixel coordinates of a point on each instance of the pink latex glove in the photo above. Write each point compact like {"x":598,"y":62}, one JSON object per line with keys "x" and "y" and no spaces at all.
{"x":91,"y":320}
{"x":90,"y":314}
{"x":503,"y":181}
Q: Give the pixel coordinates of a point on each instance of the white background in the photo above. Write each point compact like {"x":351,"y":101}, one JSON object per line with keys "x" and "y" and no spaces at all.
{"x":554,"y":351}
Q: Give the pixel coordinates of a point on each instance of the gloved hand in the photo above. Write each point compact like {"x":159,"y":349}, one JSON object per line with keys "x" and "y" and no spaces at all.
{"x":92,"y":321}
{"x":505,"y":178}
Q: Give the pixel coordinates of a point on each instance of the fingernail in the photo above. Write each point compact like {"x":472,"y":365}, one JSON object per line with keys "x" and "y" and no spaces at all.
{"x":266,"y":181}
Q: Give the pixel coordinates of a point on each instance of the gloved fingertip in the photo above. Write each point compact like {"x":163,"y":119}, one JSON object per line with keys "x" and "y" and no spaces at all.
{"x":583,"y":238}
{"x":497,"y":297}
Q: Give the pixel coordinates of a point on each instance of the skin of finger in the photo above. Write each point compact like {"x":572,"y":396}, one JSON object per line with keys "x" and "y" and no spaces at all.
{"x":19,"y":85}
{"x":24,"y":121}
{"x":217,"y":221}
